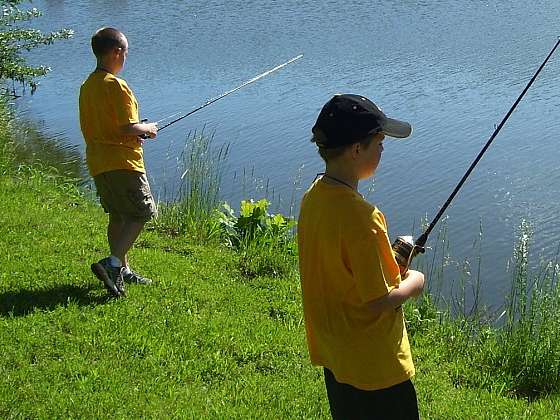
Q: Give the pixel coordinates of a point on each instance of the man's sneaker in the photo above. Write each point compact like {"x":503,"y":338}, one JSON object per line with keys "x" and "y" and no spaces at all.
{"x":119,"y":282}
{"x":110,"y":276}
{"x":135,"y":278}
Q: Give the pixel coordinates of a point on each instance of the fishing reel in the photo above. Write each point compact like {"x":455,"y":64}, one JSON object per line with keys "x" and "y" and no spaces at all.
{"x":405,"y":249}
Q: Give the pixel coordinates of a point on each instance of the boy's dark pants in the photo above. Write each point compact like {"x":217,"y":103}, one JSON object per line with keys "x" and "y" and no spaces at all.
{"x":349,"y":403}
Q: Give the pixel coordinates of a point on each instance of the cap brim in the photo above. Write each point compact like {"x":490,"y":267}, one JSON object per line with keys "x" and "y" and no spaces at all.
{"x":396,"y":128}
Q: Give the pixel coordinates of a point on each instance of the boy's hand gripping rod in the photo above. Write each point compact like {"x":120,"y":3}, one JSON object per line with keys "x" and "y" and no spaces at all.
{"x":404,"y":247}
{"x":223,"y":95}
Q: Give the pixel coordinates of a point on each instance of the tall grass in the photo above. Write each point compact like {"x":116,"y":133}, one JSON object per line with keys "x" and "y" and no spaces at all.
{"x":525,"y":351}
{"x":514,"y":351}
{"x":199,"y":170}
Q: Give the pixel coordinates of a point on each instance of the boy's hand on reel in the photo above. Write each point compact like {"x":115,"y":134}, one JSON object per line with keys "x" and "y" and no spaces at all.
{"x":405,"y":249}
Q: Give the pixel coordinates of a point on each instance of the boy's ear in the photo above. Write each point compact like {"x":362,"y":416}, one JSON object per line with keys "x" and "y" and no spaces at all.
{"x":355,"y":150}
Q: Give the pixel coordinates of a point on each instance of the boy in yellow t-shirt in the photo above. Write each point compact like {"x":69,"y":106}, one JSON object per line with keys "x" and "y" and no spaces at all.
{"x":114,"y":136}
{"x":351,"y":284}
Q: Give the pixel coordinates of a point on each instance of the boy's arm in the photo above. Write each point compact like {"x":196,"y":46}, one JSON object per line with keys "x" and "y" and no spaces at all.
{"x":139,"y":129}
{"x":411,"y":286}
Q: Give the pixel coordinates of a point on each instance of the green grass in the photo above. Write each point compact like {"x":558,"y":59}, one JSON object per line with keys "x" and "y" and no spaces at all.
{"x":205,"y":341}
{"x":202,"y":342}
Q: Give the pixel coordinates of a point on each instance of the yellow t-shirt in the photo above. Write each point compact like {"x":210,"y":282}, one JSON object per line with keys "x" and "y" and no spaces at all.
{"x":106,"y":104}
{"x":346,"y":260}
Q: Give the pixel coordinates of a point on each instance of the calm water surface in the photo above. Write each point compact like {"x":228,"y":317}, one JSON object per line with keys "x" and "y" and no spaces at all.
{"x":451,"y":68}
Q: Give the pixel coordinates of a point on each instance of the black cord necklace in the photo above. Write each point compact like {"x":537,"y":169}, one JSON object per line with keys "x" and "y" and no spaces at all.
{"x":336,"y":179}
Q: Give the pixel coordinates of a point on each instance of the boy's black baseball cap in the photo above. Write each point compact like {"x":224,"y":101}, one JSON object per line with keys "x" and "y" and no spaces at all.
{"x":347,"y":118}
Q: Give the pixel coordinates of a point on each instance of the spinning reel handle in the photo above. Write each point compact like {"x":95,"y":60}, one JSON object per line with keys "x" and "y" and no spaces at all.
{"x":405,"y":249}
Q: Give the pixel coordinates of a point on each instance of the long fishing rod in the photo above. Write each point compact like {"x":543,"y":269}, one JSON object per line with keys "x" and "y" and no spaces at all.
{"x":404,"y":247}
{"x":223,"y":95}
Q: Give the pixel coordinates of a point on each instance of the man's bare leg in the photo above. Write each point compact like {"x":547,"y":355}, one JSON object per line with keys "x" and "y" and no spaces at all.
{"x":121,"y":235}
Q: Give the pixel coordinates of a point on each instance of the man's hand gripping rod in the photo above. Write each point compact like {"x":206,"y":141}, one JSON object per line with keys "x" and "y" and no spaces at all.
{"x":404,"y":247}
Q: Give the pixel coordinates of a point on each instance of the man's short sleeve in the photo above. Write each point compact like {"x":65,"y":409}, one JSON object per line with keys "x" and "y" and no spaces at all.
{"x":126,"y":108}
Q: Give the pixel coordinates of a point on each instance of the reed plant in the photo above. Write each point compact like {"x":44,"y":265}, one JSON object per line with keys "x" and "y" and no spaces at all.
{"x":513,"y":351}
{"x":6,"y":143}
{"x":523,"y":353}
{"x":196,"y":193}
{"x":264,"y":242}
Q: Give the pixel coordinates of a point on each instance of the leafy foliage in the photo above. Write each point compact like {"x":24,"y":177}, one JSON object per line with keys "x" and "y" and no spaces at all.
{"x":254,"y":223}
{"x":16,"y":38}
{"x":265,"y":240}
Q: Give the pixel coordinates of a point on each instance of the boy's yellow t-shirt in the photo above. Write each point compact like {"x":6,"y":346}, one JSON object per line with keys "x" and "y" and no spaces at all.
{"x":106,"y":104}
{"x":345,"y":262}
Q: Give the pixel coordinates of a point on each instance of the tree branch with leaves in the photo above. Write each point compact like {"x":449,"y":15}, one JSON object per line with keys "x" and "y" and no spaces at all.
{"x":15,"y":39}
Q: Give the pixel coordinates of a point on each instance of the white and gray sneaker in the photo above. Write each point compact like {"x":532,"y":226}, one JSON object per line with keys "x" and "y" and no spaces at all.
{"x":130,"y":276}
{"x":110,"y":276}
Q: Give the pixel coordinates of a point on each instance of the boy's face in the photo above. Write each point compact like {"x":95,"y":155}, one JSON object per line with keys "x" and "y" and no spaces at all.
{"x":368,"y":157}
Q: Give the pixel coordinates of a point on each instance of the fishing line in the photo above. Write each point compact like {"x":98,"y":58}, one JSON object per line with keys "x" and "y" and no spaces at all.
{"x":223,"y":95}
{"x":404,"y":246}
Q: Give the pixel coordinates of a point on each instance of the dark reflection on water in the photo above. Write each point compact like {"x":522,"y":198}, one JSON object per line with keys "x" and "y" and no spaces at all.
{"x":35,"y":144}
{"x":451,"y":68}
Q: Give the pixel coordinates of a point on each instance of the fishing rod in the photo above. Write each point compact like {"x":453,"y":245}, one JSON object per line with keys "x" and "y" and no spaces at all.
{"x":404,"y":247}
{"x":223,"y":95}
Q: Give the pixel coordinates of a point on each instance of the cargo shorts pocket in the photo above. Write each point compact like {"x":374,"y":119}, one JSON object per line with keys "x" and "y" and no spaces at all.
{"x":142,"y":202}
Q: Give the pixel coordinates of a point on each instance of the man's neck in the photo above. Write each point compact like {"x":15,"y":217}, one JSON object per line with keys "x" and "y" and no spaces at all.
{"x":106,"y":67}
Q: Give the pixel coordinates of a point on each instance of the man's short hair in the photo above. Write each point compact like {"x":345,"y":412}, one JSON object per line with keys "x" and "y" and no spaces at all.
{"x":105,"y":40}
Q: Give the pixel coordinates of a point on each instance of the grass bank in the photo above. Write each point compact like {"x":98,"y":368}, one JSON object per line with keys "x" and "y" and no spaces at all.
{"x":207,"y":340}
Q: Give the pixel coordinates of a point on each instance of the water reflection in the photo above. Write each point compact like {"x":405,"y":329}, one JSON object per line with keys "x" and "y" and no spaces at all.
{"x":36,"y":144}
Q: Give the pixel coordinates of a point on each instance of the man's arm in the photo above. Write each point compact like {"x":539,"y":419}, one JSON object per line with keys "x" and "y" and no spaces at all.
{"x":411,"y":286}
{"x":139,"y":129}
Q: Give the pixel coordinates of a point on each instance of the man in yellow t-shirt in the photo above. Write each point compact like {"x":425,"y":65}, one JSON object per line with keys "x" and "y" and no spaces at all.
{"x":351,"y":284}
{"x":114,"y":136}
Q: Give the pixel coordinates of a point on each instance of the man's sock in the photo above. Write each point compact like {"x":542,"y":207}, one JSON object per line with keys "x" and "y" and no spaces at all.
{"x":114,"y":261}
{"x":126,"y":270}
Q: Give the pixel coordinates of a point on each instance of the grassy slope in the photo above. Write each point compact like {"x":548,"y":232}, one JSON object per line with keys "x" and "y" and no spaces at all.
{"x":202,"y":342}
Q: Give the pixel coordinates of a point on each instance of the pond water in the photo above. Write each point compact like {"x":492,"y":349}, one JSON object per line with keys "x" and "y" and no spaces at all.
{"x":451,"y":68}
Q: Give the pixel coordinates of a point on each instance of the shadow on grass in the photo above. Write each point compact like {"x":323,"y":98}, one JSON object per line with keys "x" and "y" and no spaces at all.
{"x":24,"y":302}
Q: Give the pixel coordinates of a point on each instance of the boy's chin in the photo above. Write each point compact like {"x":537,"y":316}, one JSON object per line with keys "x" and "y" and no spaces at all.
{"x":367,"y":175}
